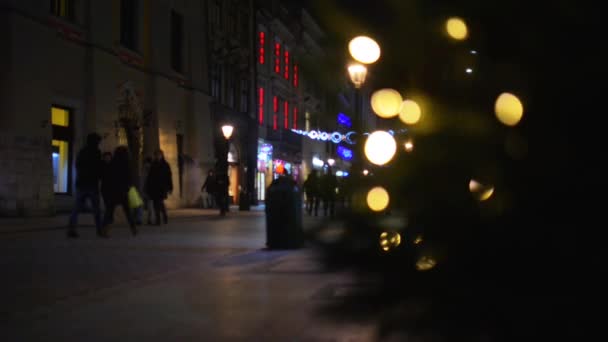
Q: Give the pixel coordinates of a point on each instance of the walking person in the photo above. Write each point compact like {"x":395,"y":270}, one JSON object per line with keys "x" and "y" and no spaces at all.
{"x":210,"y":186}
{"x":148,"y":206}
{"x":311,"y":189}
{"x":329,"y":183}
{"x":106,"y":176}
{"x":88,"y":173}
{"x":159,"y":185}
{"x":221,"y":193}
{"x":120,"y":181}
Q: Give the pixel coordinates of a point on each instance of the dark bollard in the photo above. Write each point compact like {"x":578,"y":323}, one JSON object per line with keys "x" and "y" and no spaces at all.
{"x":284,"y":215}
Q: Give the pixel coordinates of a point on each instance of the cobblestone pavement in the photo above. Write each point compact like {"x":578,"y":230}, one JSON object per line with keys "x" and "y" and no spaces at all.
{"x":200,"y":278}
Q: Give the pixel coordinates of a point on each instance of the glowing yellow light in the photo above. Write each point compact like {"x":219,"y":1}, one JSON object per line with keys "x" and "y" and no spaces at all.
{"x":389,"y":240}
{"x":425,"y":263}
{"x":410,"y":112}
{"x":480,"y":191}
{"x":365,"y":172}
{"x":409,"y":146}
{"x":456,"y":28}
{"x":418,"y":240}
{"x":509,"y":109}
{"x":364,"y":49}
{"x":386,"y":103}
{"x":380,"y":147}
{"x":377,"y":199}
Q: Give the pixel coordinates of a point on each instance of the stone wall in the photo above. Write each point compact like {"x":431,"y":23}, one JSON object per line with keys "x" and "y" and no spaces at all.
{"x":26,"y":187}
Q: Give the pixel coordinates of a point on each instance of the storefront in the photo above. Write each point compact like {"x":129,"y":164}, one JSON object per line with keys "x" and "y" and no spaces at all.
{"x":264,"y":169}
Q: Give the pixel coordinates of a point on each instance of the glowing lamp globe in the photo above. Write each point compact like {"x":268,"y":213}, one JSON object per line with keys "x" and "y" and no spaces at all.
{"x":457,"y":29}
{"x":410,"y":112}
{"x":377,"y":199}
{"x":386,"y":103}
{"x":509,"y":109}
{"x":364,"y":49}
{"x":480,"y":192}
{"x":389,"y":240}
{"x":380,"y":147}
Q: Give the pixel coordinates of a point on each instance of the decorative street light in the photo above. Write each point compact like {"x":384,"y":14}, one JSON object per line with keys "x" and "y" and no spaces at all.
{"x":222,"y":173}
{"x":357,"y":74}
{"x":227,"y":131}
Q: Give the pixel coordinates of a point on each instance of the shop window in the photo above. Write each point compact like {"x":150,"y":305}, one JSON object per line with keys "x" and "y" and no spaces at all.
{"x":61,"y":147}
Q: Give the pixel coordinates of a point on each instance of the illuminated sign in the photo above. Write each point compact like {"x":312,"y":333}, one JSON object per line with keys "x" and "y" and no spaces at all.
{"x":344,"y":153}
{"x":335,"y":137}
{"x":344,"y":120}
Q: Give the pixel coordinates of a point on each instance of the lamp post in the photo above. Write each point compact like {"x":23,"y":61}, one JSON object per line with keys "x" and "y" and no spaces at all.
{"x":357,"y":73}
{"x":222,"y":174}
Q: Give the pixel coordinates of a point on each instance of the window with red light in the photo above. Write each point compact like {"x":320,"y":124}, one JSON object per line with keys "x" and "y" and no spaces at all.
{"x":295,"y":117}
{"x":286,"y":67}
{"x":295,"y":75}
{"x":275,"y":114}
{"x":286,"y":115}
{"x":277,"y":58}
{"x":261,"y":105}
{"x":262,"y":47}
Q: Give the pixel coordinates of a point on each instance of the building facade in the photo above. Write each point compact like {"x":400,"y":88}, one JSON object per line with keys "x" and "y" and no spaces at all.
{"x":287,"y":96}
{"x":134,"y":71}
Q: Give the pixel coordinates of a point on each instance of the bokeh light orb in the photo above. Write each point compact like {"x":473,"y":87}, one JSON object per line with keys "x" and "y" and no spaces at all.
{"x":509,"y":109}
{"x":409,"y":146}
{"x":378,"y":199}
{"x":480,"y":192}
{"x":380,"y":147}
{"x":410,"y":112}
{"x":425,"y":263}
{"x":457,"y":28}
{"x":364,"y":49}
{"x":386,"y":103}
{"x":389,"y":240}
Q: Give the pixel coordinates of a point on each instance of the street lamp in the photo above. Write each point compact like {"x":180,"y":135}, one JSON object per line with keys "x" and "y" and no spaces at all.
{"x":222,"y":174}
{"x":357,"y":74}
{"x":227,"y":131}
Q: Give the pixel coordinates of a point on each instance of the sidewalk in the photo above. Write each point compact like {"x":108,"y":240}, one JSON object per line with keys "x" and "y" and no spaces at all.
{"x":85,"y":220}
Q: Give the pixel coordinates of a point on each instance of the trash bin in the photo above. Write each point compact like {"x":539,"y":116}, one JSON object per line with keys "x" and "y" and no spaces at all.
{"x":284,"y":215}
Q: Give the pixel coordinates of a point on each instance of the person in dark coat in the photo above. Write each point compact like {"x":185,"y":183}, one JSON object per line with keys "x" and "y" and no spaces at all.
{"x":210,"y":186}
{"x":221,"y":192}
{"x":120,"y":181}
{"x":159,"y":185}
{"x":106,"y":176}
{"x":88,"y":173}
{"x":312,"y":189}
{"x":329,"y":183}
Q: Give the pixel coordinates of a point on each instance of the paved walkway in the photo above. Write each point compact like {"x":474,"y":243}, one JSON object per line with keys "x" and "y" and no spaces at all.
{"x":200,"y":278}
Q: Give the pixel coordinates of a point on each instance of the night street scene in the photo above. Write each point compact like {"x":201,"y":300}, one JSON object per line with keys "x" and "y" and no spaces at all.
{"x":316,"y":170}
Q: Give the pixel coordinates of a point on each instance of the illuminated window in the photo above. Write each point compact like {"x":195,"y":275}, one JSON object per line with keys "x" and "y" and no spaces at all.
{"x":61,"y":146}
{"x":63,"y":8}
{"x":261,"y":105}
{"x":286,"y":115}
{"x":277,"y":57}
{"x":262,"y":47}
{"x":286,"y":65}
{"x":275,"y":114}
{"x":295,"y":117}
{"x":295,"y":75}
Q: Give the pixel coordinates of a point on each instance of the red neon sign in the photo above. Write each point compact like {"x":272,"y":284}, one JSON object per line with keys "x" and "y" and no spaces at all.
{"x":286,"y":115}
{"x":261,"y":104}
